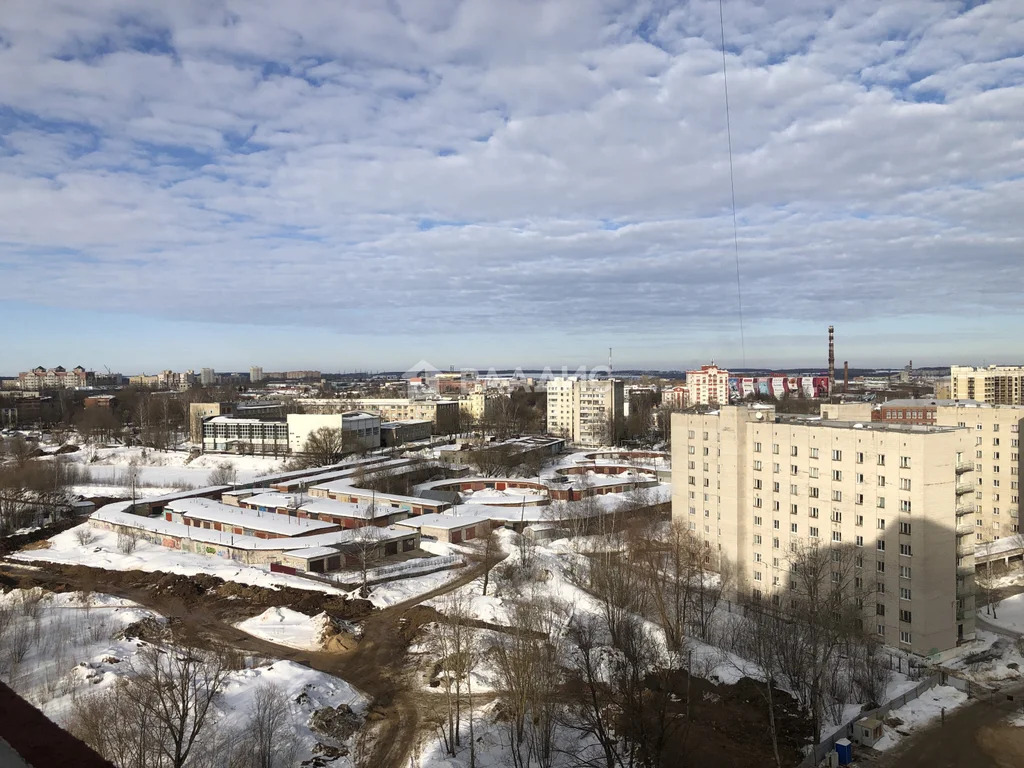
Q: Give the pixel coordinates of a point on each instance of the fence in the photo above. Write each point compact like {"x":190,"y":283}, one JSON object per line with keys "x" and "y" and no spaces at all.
{"x":418,"y":567}
{"x":846,"y":731}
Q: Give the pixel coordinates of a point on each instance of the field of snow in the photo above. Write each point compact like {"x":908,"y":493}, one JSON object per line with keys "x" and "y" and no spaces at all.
{"x":58,"y":647}
{"x":391,"y":593}
{"x":102,"y":552}
{"x":1011,"y":614}
{"x":287,"y":627}
{"x":920,"y":712}
{"x":165,"y":469}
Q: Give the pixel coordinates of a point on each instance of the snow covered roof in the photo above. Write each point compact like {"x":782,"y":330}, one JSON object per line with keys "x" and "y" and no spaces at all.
{"x":447,"y":522}
{"x":311,"y":553}
{"x":271,"y":522}
{"x":213,"y":489}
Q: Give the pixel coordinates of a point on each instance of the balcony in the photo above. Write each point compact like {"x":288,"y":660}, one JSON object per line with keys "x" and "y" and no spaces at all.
{"x":965,"y":548}
{"x":965,"y":571}
{"x":965,"y":529}
{"x":964,"y":466}
{"x":965,"y":509}
{"x":962,"y":489}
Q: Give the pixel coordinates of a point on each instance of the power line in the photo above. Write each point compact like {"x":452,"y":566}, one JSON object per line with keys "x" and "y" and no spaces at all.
{"x":732,"y":187}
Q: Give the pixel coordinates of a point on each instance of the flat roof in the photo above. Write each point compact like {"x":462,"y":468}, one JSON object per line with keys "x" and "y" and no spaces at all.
{"x":867,"y":426}
{"x":271,"y":522}
{"x":443,"y":521}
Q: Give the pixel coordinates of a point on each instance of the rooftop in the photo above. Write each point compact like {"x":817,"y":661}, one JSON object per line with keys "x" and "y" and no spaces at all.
{"x":271,"y":522}
{"x":444,"y":521}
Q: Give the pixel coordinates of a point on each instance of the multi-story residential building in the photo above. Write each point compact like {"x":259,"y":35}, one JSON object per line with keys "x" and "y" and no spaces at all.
{"x":255,"y":374}
{"x":360,"y":430}
{"x":165,"y":380}
{"x":995,"y":432}
{"x":207,"y":377}
{"x":587,"y":412}
{"x":674,"y":397}
{"x":996,"y":384}
{"x":708,"y":386}
{"x":55,"y":378}
{"x":760,"y":488}
{"x":443,"y":414}
{"x":483,"y":405}
{"x":224,"y":434}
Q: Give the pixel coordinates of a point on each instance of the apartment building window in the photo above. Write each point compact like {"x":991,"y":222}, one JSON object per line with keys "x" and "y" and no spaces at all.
{"x":793,"y":528}
{"x":692,"y":480}
{"x":706,"y":449}
{"x":859,"y":477}
{"x":757,"y":520}
{"x":775,"y":543}
{"x":880,"y":587}
{"x":757,"y":447}
{"x":881,"y":459}
{"x":995,"y":442}
{"x":880,"y":609}
{"x":814,"y":453}
{"x":757,"y":539}
{"x":693,"y":510}
{"x":904,"y":571}
{"x":858,"y":520}
{"x":813,"y":472}
{"x":880,"y":630}
{"x":837,"y":536}
{"x":690,"y":434}
{"x":757,"y":576}
{"x":881,"y":481}
{"x":904,"y":505}
{"x":836,"y":556}
{"x":775,"y":448}
{"x":775,"y":506}
{"x":814,"y":532}
{"x":757,"y":557}
{"x":905,"y":529}
{"x":757,"y":465}
{"x":775,"y":487}
{"x":793,"y":450}
{"x":835,"y":577}
{"x":995,"y":467}
{"x":691,"y":449}
{"x":837,"y":516}
{"x":880,"y":545}
{"x":859,"y":541}
{"x":813,"y":512}
{"x":837,"y":474}
{"x":880,"y":567}
{"x":837,"y":455}
{"x":775,"y":583}
{"x":904,"y":462}
{"x":707,"y":482}
{"x":775,"y":562}
{"x":905,"y":550}
{"x":860,"y":457}
{"x":776,"y":469}
{"x":905,"y":617}
{"x":881,"y":523}
{"x":904,"y":593}
{"x":858,"y":498}
{"x":904,"y":483}
{"x":705,"y":435}
{"x":812,"y":492}
{"x":793,"y":509}
{"x":905,"y":637}
{"x":837,"y":495}
{"x":794,"y":469}
{"x":858,"y":562}
{"x":792,"y":489}
{"x":880,"y":502}
{"x":977,"y":455}
{"x":757,"y":483}
{"x":775,"y":524}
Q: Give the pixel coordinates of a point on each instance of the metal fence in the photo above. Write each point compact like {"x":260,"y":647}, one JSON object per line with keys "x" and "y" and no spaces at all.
{"x":846,"y":731}
{"x":418,"y":567}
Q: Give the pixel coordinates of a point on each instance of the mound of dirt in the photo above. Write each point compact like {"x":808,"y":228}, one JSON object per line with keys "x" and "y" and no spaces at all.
{"x":336,"y":723}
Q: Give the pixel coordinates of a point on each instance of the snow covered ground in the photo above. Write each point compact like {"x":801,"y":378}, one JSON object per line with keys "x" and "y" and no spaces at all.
{"x":920,"y":712}
{"x":1011,"y":614}
{"x":391,"y":593}
{"x":102,"y":552}
{"x":58,"y":647}
{"x":164,"y":469}
{"x":287,"y":627}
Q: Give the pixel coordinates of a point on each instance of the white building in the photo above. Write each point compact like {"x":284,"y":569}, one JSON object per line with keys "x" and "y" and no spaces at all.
{"x":207,"y":377}
{"x":255,"y":374}
{"x":996,"y":384}
{"x":587,"y":412}
{"x":224,"y":434}
{"x":360,"y":430}
{"x":708,"y":386}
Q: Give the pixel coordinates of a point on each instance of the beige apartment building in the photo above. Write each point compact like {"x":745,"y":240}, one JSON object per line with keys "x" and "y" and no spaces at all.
{"x":994,"y":448}
{"x":709,"y":385}
{"x":759,"y":487}
{"x":443,"y":414}
{"x":587,"y":412}
{"x":996,"y":384}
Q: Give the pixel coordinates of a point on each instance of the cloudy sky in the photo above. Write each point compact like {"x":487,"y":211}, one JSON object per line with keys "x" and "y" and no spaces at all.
{"x":353,"y":185}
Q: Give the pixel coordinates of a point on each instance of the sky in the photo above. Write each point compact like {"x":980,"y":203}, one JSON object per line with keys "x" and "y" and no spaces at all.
{"x":359,"y":186}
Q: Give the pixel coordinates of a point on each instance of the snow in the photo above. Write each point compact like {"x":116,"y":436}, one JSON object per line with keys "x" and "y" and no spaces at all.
{"x":102,"y":552}
{"x":920,"y":712}
{"x":1011,"y":614}
{"x":287,"y":627}
{"x":74,"y":650}
{"x":400,"y":590}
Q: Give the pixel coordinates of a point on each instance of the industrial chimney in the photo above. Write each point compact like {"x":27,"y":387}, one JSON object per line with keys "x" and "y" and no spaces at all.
{"x":831,"y":360}
{"x":846,"y":375}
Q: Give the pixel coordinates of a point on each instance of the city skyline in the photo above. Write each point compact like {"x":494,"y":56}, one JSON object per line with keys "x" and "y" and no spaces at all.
{"x":509,"y":185}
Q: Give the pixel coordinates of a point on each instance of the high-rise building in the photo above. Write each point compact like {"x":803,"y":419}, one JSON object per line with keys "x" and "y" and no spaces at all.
{"x":55,"y":378}
{"x":761,"y":488}
{"x":708,"y":386}
{"x":255,"y":374}
{"x":996,"y":384}
{"x":207,"y":377}
{"x":585,"y":411}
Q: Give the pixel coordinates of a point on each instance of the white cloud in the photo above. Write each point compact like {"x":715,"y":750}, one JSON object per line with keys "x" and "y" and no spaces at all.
{"x":556,"y":164}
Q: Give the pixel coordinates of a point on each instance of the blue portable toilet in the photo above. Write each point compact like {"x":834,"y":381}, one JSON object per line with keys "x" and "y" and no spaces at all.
{"x":845,"y":750}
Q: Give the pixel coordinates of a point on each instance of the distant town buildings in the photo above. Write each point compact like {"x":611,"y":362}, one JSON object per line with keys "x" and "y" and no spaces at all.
{"x":588,"y":412}
{"x":996,"y":384}
{"x":443,"y":414}
{"x":207,"y":377}
{"x":55,"y":378}
{"x":675,"y":397}
{"x":255,"y":374}
{"x":707,"y":386}
{"x":165,"y":380}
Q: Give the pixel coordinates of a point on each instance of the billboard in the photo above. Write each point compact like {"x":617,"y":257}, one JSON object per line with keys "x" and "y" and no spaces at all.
{"x":778,"y":386}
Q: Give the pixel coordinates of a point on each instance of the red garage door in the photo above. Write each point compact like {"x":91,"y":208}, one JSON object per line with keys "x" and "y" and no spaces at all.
{"x":456,"y":537}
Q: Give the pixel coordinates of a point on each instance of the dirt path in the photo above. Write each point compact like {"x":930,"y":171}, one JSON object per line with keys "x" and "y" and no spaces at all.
{"x":376,"y":665}
{"x":976,"y":735}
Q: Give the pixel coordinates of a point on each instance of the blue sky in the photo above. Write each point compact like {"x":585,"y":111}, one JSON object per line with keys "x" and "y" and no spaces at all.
{"x":360,"y":186}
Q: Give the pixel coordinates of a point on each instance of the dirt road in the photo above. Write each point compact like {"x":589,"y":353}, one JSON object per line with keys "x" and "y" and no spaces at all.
{"x":973,"y":736}
{"x":375,"y":665}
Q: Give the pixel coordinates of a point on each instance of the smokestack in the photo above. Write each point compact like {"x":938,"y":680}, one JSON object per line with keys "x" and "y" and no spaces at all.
{"x":609,"y":362}
{"x":831,"y":359}
{"x":846,"y":375}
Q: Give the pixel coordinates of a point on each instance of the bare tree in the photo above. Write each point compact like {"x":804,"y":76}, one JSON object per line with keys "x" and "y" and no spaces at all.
{"x":269,"y":739}
{"x":366,"y":546}
{"x":323,"y":446}
{"x":492,"y":554}
{"x":127,"y":540}
{"x":224,"y":474}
